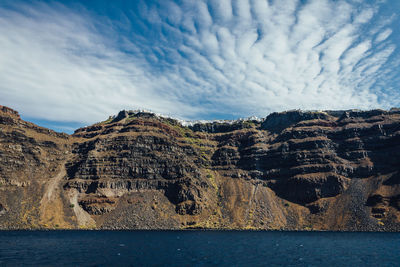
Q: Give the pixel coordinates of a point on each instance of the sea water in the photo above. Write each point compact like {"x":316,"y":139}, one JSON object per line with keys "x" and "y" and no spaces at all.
{"x":198,"y":248}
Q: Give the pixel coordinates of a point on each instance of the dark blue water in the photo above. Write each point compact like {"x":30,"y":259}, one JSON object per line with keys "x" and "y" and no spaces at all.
{"x":198,"y":248}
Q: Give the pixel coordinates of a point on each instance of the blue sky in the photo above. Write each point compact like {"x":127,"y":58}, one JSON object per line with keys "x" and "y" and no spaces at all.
{"x":72,"y":63}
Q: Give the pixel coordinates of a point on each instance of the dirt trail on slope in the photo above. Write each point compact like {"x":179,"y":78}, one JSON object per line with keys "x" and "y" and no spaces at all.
{"x":84,"y":219}
{"x":51,"y":205}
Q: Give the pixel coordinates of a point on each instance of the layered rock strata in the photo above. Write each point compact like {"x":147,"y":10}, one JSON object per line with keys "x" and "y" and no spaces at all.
{"x":294,"y":170}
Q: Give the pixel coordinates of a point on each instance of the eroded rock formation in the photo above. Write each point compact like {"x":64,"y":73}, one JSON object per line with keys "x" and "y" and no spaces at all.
{"x":325,"y":170}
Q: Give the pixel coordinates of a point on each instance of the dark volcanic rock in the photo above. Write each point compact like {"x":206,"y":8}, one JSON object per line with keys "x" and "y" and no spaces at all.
{"x":276,"y":122}
{"x":309,"y":189}
{"x":223,"y":127}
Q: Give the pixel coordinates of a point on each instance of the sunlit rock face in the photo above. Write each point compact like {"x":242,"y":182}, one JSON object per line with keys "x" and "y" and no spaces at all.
{"x":322,"y":170}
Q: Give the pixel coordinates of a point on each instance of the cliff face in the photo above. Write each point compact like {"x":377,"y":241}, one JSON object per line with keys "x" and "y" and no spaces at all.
{"x":331,"y":170}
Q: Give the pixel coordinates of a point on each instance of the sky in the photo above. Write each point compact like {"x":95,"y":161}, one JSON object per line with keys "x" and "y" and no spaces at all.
{"x":67,"y":64}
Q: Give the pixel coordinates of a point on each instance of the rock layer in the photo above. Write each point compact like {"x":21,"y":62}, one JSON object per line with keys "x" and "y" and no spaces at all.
{"x":295,"y":170}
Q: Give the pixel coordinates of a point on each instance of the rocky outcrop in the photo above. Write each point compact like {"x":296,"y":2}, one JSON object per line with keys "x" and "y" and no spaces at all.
{"x":30,"y":156}
{"x":323,"y":170}
{"x":276,"y":122}
{"x":223,"y":127}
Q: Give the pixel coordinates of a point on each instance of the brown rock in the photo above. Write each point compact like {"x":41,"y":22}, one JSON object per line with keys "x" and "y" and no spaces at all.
{"x":326,"y":170}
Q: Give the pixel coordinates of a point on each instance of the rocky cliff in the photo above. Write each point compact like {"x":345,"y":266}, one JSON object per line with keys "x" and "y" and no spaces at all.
{"x":295,"y":170}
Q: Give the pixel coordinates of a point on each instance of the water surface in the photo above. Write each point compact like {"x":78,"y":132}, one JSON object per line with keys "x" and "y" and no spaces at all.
{"x":198,"y":248}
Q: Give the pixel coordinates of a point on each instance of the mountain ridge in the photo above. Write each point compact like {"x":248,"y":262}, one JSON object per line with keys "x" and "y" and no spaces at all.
{"x":190,"y":123}
{"x":293,"y":170}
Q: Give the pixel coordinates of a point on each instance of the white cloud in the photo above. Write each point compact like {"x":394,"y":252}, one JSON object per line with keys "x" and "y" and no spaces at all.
{"x":194,"y":60}
{"x":56,"y":66}
{"x":365,"y":16}
{"x":383,"y":35}
{"x":222,"y":10}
